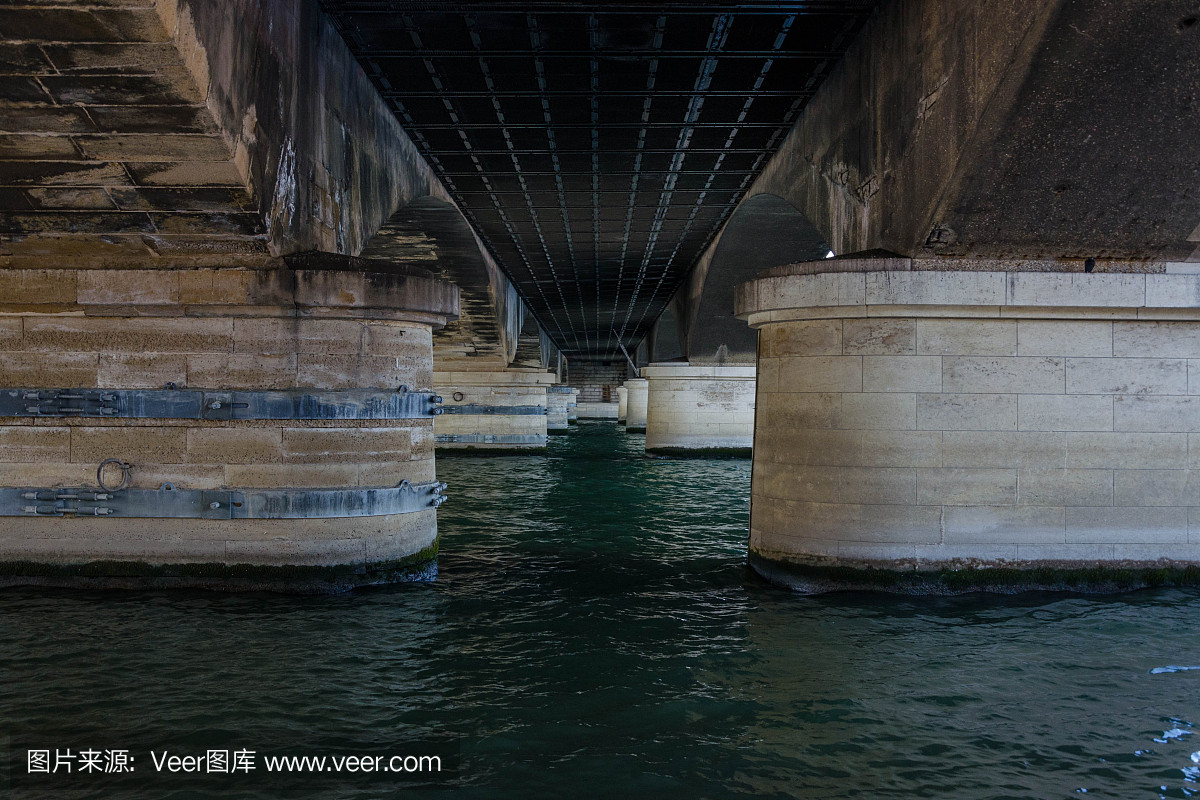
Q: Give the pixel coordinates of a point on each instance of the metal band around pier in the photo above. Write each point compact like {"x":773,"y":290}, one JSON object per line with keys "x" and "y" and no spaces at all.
{"x":217,"y":405}
{"x":172,"y":503}
{"x":489,"y":438}
{"x":476,"y":408}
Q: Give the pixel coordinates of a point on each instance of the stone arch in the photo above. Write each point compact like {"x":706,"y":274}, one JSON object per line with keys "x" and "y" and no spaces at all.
{"x":764,"y":231}
{"x":432,"y":233}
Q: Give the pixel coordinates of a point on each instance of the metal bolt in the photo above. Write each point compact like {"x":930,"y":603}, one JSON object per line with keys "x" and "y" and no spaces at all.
{"x":214,"y":505}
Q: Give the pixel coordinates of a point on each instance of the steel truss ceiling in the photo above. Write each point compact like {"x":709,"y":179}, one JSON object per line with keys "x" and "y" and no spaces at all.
{"x":597,"y":148}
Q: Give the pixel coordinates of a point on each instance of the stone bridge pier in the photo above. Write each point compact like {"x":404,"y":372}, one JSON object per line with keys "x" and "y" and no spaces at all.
{"x":995,"y":387}
{"x":200,"y":384}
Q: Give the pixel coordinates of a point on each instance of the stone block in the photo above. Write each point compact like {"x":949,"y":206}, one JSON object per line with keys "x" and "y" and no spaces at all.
{"x":393,"y":339}
{"x":967,"y":555}
{"x":876,"y":411}
{"x":124,"y":334}
{"x":804,"y":447}
{"x":298,"y":335}
{"x":1172,"y":291}
{"x":390,"y":473}
{"x":136,"y":444}
{"x":1126,"y":525}
{"x":1156,"y":339}
{"x":1065,"y":487}
{"x":992,"y":525}
{"x":299,"y":476}
{"x":779,"y":411}
{"x":61,"y":369}
{"x":235,"y":445}
{"x":1121,"y":450}
{"x":10,"y":333}
{"x":1049,"y":412}
{"x":36,"y":287}
{"x":143,"y":287}
{"x":997,"y":374}
{"x":1127,"y":376}
{"x":343,"y":445}
{"x":46,"y":474}
{"x":813,"y":523}
{"x":1156,"y":487}
{"x":966,"y":487}
{"x":873,"y":485}
{"x":367,"y":372}
{"x":1076,"y":289}
{"x":214,"y":286}
{"x":884,"y":448}
{"x":1003,"y":449}
{"x":895,"y":337}
{"x":141,"y":370}
{"x":1156,"y":414}
{"x":966,"y":337}
{"x":22,"y":443}
{"x":1083,"y":338}
{"x":1066,"y":554}
{"x":935,"y":288}
{"x":967,"y":412}
{"x":802,"y":338}
{"x":820,"y":374}
{"x":768,"y":375}
{"x":227,"y":371}
{"x":902,"y":373}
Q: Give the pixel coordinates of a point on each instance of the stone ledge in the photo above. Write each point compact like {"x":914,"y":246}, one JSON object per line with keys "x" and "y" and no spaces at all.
{"x":974,"y":294}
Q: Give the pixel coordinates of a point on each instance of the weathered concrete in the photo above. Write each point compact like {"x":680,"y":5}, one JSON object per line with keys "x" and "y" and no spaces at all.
{"x":512,"y":417}
{"x":635,"y":405}
{"x":917,"y":420}
{"x":1033,"y":130}
{"x":221,"y":329}
{"x":622,"y":403}
{"x":699,"y":409}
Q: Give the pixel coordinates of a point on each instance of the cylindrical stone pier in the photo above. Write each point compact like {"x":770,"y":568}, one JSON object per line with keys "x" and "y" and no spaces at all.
{"x":699,"y":409}
{"x":622,"y":404}
{"x":498,"y":410}
{"x":934,"y":430}
{"x":258,"y":414}
{"x":635,"y":405}
{"x":573,"y":406}
{"x":558,"y":398}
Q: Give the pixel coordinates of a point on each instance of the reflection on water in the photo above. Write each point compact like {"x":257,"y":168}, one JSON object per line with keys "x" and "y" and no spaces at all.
{"x":594,"y":631}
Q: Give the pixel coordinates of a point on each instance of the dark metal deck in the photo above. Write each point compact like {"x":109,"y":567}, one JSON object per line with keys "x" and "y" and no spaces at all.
{"x":597,"y":148}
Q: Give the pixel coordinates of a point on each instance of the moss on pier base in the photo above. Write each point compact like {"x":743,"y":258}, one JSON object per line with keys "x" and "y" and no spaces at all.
{"x":699,"y":452}
{"x":1000,"y":579}
{"x":288,"y":578}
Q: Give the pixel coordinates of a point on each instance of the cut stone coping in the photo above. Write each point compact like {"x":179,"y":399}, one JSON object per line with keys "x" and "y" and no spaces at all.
{"x":1042,"y":295}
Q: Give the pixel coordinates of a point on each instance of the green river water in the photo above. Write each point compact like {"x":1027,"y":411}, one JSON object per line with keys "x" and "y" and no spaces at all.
{"x":594,"y":632}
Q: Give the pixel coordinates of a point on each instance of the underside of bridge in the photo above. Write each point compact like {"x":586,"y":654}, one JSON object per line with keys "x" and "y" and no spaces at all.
{"x":597,"y":148}
{"x":250,"y":250}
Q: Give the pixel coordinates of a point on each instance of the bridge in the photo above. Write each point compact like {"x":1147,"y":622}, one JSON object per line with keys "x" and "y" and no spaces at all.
{"x":934,"y":264}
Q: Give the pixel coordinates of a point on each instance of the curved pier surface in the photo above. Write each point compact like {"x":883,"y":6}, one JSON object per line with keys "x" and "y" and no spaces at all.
{"x":636,"y":398}
{"x":291,"y":448}
{"x":992,"y":429}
